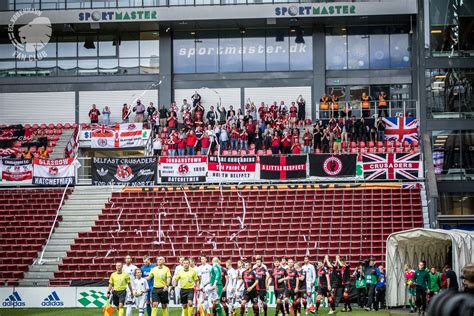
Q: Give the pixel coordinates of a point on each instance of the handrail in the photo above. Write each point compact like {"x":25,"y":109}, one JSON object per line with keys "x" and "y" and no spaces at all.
{"x":41,"y":261}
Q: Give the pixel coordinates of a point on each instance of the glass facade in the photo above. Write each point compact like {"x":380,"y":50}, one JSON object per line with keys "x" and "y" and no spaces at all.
{"x":357,"y":48}
{"x":87,"y":54}
{"x":453,"y":155}
{"x":451,"y":28}
{"x":238,"y":51}
{"x":12,"y":5}
{"x":450,"y":93}
{"x":456,"y":203}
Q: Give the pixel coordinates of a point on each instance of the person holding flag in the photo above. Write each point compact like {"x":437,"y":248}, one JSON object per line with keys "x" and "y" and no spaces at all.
{"x":187,"y":278}
{"x":119,"y":281}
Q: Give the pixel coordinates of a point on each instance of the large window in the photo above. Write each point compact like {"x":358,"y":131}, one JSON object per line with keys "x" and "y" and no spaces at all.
{"x":453,"y":155}
{"x":450,"y":93}
{"x":87,"y":54}
{"x":359,"y":48}
{"x":456,"y":203}
{"x":244,"y":50}
{"x":451,"y":28}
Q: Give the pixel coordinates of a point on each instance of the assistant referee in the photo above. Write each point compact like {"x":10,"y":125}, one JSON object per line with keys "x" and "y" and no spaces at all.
{"x":119,"y":281}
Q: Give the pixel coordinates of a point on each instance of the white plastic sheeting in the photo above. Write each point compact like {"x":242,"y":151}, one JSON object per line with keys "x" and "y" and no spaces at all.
{"x":432,"y":245}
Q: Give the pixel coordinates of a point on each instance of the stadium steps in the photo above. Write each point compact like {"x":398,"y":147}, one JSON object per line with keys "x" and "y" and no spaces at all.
{"x":64,"y":138}
{"x":424,"y":208}
{"x":79,"y":213}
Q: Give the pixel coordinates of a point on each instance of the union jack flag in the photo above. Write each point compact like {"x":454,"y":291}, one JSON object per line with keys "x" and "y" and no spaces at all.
{"x":401,"y":128}
{"x":391,"y":166}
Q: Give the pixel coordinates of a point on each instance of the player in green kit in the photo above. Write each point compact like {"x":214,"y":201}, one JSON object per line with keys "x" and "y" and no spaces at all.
{"x":216,"y":287}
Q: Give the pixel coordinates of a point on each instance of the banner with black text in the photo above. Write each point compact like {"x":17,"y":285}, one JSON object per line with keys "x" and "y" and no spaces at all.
{"x":183,"y":169}
{"x":132,"y":171}
{"x":16,"y":169}
{"x":231,"y":168}
{"x":54,"y":172}
{"x":282,"y":167}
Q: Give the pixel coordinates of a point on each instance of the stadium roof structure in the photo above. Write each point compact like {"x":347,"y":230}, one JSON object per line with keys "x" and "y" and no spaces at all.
{"x":432,"y":245}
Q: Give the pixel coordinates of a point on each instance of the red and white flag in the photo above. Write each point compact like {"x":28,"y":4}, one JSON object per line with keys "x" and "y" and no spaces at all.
{"x":54,"y":172}
{"x":16,"y":169}
{"x":122,"y":136}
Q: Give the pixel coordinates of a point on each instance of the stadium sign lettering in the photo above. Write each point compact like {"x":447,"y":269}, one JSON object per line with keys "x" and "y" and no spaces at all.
{"x":319,"y":10}
{"x":101,"y":16}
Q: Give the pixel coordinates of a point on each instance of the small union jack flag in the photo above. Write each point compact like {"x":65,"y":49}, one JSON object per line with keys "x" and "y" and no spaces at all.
{"x":401,"y":129}
{"x":391,"y":166}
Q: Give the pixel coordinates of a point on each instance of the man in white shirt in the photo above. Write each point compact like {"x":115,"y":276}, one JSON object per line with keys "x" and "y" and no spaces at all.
{"x":129,"y":268}
{"x":178,"y":268}
{"x":232,"y":285}
{"x":310,"y":278}
{"x":204,"y":274}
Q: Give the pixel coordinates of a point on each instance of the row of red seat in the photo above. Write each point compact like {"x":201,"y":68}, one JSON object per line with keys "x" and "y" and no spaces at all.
{"x":287,"y":226}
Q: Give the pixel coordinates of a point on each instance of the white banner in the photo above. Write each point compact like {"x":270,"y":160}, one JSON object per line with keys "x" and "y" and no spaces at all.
{"x":232,"y":168}
{"x":183,"y":169}
{"x":54,"y":171}
{"x":122,"y":136}
{"x":15,"y":169}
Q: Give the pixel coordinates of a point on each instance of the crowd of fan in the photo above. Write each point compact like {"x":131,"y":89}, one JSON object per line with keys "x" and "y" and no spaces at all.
{"x":187,"y":129}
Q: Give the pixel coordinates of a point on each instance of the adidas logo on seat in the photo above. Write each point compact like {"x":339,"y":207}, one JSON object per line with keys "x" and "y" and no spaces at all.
{"x":52,"y":300}
{"x":13,"y":300}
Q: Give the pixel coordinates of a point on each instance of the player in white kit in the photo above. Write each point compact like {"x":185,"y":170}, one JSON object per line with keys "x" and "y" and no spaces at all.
{"x":140,"y":289}
{"x":204,"y":274}
{"x":233,"y":275}
{"x":240,"y":284}
{"x":129,"y":268}
{"x":310,"y":279}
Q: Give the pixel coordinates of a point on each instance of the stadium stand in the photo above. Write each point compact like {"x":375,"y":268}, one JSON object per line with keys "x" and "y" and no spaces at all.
{"x":278,"y":221}
{"x":27,"y":217}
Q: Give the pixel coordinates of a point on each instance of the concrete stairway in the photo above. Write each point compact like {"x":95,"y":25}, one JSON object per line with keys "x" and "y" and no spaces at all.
{"x":58,"y":151}
{"x":79,"y":213}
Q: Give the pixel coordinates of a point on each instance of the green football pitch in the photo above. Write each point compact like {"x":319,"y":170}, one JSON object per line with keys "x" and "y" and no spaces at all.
{"x":174,"y":312}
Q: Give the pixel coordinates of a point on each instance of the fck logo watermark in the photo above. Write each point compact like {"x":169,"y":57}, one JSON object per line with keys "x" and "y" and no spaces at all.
{"x":29,"y":32}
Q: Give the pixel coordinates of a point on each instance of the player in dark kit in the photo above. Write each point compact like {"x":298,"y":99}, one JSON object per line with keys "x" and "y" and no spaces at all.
{"x":225,"y":281}
{"x":279,"y":275}
{"x":291,"y":286}
{"x":346,"y":282}
{"x":324,"y":285}
{"x":301,"y":290}
{"x":250,"y":282}
{"x":263,"y":279}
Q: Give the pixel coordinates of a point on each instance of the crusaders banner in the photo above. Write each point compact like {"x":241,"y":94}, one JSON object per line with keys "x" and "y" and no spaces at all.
{"x":53,"y":172}
{"x":283,"y":167}
{"x":231,"y":168}
{"x":183,"y":169}
{"x":120,"y":136}
{"x":391,"y":166}
{"x":321,"y":165}
{"x":140,"y":171}
{"x":16,"y":169}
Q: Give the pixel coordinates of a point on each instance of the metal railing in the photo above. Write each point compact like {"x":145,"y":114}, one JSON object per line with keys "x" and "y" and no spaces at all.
{"x":355,"y":108}
{"x":13,"y":5}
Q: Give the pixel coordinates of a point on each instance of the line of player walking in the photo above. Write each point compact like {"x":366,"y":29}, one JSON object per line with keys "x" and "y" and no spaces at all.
{"x":220,"y":288}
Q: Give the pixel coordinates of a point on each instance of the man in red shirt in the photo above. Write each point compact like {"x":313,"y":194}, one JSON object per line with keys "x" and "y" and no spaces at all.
{"x":172,"y":145}
{"x":191,"y":142}
{"x":296,"y":148}
{"x":181,"y":145}
{"x":308,"y":140}
{"x":205,"y":143}
{"x":275,"y":143}
{"x":234,"y":137}
{"x":94,"y":115}
{"x":251,"y":128}
{"x":244,"y":140}
{"x":286,"y":144}
{"x":293,"y":113}
{"x":125,"y":113}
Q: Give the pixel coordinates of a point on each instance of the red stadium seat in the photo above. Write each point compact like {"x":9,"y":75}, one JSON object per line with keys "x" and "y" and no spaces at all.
{"x":371,"y":149}
{"x":269,"y":152}
{"x":75,"y":125}
{"x":371,"y":144}
{"x":51,"y":126}
{"x":243,"y":153}
{"x":361,"y":144}
{"x":380,"y":150}
{"x":27,"y":126}
{"x":67,"y":126}
{"x":59,"y":126}
{"x":234,"y":152}
{"x":260,"y":152}
{"x":379,"y":144}
{"x":43,"y":126}
{"x":49,"y":150}
{"x":35,"y":126}
{"x":353,"y":144}
{"x":398,"y":149}
{"x":414,"y":143}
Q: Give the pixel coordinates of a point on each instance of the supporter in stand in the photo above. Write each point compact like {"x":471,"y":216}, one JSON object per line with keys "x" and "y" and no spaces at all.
{"x":157,"y":145}
{"x":94,"y":114}
{"x":125,"y":113}
{"x":43,"y":153}
{"x":139,"y":110}
{"x":106,"y":115}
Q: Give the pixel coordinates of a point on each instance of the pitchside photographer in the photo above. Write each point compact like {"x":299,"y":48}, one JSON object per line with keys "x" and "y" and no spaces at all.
{"x":454,"y":303}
